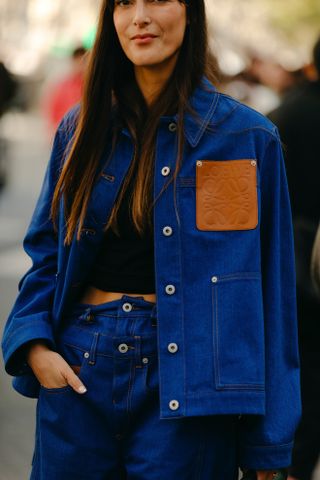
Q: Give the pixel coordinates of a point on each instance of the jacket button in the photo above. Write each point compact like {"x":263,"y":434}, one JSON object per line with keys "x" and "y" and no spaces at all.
{"x":173,"y":347}
{"x":214,"y":279}
{"x":172,"y":127}
{"x":165,"y":171}
{"x":170,"y":289}
{"x":173,"y":404}
{"x":167,"y":231}
{"x":123,"y":348}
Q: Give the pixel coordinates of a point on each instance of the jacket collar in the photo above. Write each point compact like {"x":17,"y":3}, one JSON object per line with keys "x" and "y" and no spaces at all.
{"x":203,"y":103}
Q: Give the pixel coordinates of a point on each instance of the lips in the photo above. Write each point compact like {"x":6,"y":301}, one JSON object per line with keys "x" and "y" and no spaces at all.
{"x":143,"y":37}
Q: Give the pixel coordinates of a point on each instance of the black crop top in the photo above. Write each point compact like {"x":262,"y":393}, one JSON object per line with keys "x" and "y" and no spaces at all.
{"x":125,"y":263}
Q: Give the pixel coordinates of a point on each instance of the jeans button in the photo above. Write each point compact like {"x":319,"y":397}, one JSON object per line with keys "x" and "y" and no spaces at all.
{"x":127,"y":307}
{"x":123,"y":348}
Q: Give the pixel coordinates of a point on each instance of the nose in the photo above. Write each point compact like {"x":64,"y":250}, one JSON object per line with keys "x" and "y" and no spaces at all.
{"x":141,"y":15}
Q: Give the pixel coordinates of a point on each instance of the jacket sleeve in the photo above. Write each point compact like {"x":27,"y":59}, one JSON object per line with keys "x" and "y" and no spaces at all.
{"x":266,"y":441}
{"x":30,"y":317}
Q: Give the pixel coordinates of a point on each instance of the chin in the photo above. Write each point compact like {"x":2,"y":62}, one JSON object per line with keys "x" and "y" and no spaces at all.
{"x":144,"y":60}
{"x":148,"y":62}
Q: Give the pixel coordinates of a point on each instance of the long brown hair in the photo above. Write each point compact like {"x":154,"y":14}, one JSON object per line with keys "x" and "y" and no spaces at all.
{"x":111,"y":86}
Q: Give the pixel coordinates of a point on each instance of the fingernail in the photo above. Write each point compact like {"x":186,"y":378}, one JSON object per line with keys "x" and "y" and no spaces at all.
{"x":82,"y":389}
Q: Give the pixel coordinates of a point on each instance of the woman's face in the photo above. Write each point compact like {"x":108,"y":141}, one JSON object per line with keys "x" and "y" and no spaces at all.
{"x":150,"y":32}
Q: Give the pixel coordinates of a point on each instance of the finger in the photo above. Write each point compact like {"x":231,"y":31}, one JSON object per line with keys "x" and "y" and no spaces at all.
{"x":75,"y":382}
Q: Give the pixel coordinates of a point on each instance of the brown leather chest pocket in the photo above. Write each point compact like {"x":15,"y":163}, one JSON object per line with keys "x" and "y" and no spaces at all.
{"x":226,"y":195}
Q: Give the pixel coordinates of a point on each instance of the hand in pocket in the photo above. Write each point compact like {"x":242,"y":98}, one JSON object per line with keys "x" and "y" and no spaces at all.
{"x":51,"y":370}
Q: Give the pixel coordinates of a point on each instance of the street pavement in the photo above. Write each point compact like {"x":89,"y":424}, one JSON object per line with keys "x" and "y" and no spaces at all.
{"x":29,"y":150}
{"x":27,"y":157}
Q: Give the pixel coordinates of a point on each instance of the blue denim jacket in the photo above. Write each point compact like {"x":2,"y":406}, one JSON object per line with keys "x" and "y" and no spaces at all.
{"x":225,"y":296}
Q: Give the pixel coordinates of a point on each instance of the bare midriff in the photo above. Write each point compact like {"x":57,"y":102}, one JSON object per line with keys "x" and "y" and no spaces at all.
{"x":94,"y":296}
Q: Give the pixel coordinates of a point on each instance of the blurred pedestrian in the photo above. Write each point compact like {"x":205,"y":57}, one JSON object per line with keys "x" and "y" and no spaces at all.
{"x":162,"y":287}
{"x":66,"y":92}
{"x":298,"y":119}
{"x":8,"y":88}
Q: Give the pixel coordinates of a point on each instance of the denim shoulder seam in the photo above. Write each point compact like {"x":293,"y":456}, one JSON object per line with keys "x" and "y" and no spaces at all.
{"x":243,"y":105}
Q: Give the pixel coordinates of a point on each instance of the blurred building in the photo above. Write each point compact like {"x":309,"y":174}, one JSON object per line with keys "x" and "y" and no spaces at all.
{"x":30,"y":29}
{"x":37,"y":36}
{"x":281,"y":32}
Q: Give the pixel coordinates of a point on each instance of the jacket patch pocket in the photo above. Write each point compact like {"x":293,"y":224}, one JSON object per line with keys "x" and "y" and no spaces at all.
{"x":238,"y":331}
{"x":226,"y":195}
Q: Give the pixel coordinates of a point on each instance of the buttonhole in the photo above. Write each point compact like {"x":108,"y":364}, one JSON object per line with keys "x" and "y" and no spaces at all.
{"x":110,"y":178}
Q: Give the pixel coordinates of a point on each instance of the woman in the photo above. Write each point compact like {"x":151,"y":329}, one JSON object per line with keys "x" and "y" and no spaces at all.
{"x":189,"y":370}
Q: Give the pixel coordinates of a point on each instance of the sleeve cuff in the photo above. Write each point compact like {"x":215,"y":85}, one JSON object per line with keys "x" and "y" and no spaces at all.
{"x":14,"y":351}
{"x":265,"y":457}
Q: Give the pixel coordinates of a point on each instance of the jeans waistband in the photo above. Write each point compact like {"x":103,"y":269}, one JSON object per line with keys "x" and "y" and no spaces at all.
{"x":136,"y":303}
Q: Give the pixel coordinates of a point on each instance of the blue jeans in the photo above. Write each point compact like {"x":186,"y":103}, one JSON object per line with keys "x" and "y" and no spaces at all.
{"x":113,"y":431}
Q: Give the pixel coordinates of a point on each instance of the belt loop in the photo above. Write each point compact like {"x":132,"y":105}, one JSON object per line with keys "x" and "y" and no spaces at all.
{"x":154,"y":312}
{"x":93,"y":349}
{"x":85,"y":314}
{"x":137,"y":347}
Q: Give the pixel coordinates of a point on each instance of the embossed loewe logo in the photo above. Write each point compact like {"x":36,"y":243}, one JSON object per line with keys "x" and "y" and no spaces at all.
{"x":226,"y":195}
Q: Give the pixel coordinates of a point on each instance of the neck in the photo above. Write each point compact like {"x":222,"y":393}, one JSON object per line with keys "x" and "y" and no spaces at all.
{"x":152,"y":79}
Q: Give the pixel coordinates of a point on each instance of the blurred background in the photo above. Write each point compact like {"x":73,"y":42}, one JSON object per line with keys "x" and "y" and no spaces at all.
{"x":264,"y":51}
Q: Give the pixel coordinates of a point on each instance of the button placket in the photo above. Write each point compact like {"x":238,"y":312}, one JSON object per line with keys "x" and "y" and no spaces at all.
{"x":170,"y":287}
